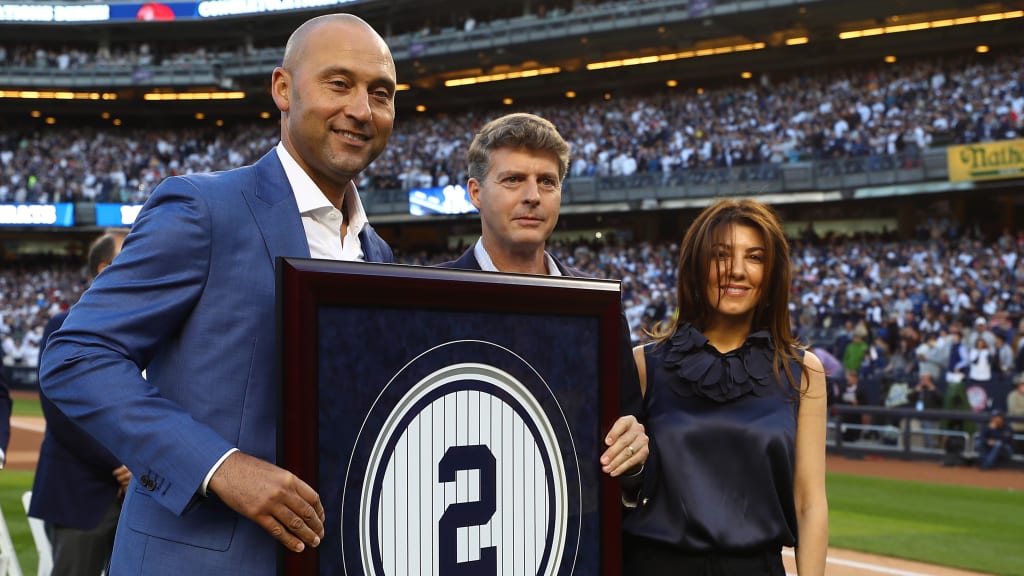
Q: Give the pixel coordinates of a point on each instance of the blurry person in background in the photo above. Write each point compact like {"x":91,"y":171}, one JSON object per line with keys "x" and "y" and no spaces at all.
{"x":959,"y":359}
{"x":926,"y":396}
{"x":1002,"y":358}
{"x":853,"y":394}
{"x":79,"y":484}
{"x":5,"y":417}
{"x":856,"y":350}
{"x":981,"y":330}
{"x":1015,"y":407}
{"x":979,"y":358}
{"x":931,"y":357}
{"x":995,"y":442}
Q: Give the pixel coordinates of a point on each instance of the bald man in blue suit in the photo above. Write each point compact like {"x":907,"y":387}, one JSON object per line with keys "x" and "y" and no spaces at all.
{"x":191,"y":300}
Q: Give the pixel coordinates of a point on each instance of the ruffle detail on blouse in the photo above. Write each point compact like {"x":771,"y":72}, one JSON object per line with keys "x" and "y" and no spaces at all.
{"x":704,"y":371}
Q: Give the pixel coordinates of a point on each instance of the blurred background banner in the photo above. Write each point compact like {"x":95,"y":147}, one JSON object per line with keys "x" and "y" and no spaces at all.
{"x":986,"y":161}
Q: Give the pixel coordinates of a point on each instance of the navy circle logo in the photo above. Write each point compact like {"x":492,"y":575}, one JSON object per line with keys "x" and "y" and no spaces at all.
{"x":464,"y":465}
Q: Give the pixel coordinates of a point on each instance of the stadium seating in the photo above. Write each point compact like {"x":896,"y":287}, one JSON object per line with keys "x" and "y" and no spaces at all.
{"x":877,"y":126}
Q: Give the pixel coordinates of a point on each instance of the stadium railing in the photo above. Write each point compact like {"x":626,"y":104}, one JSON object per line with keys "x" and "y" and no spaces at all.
{"x":846,"y":175}
{"x":898,"y":432}
{"x":101,"y":76}
{"x":651,"y":190}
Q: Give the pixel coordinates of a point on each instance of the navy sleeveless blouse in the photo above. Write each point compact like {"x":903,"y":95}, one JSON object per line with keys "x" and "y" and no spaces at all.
{"x":723,"y":433}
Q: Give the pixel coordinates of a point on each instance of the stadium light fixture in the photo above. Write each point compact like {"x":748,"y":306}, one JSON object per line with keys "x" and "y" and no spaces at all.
{"x":507,"y":101}
{"x":982,"y":49}
{"x":942,"y":23}
{"x":56,"y":95}
{"x":421,"y":108}
{"x":668,"y":57}
{"x":797,"y":41}
{"x":502,"y":76}
{"x":161,"y":96}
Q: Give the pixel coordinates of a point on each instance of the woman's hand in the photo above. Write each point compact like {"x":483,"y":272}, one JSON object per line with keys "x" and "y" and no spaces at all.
{"x":627,"y":447}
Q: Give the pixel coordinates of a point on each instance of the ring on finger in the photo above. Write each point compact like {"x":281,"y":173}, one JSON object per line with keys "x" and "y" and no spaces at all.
{"x":631,"y":451}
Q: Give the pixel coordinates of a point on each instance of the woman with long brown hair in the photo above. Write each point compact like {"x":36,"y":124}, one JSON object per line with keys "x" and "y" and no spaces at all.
{"x":736,"y":413}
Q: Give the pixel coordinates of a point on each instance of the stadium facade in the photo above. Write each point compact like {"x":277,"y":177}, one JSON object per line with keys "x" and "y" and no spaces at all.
{"x":207,"y":64}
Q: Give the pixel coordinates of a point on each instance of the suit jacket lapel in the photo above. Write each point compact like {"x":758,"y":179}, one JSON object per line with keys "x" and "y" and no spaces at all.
{"x":467,"y":261}
{"x":273,"y":207}
{"x":371,"y":244}
{"x":565,"y":270}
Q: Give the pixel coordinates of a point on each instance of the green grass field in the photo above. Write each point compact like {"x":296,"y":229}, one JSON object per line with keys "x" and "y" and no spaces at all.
{"x":970,"y":528}
{"x":26,"y":407}
{"x":14,"y":483}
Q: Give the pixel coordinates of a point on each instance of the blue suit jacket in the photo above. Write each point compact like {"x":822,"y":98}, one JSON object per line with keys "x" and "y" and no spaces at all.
{"x":631,"y":399}
{"x":190,"y":298}
{"x":74,"y":482}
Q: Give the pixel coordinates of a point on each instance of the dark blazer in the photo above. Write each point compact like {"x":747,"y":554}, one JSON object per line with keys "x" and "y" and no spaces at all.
{"x":74,"y":482}
{"x":629,"y":384}
{"x":190,"y":299}
{"x":5,"y":412}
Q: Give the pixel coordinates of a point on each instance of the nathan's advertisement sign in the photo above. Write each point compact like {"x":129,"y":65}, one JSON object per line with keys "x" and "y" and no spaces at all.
{"x":986,"y":161}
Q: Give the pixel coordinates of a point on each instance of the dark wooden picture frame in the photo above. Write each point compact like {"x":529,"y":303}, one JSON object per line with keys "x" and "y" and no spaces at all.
{"x":351,"y":334}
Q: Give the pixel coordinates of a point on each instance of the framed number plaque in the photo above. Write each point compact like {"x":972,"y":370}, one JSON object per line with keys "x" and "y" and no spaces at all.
{"x":451,"y":420}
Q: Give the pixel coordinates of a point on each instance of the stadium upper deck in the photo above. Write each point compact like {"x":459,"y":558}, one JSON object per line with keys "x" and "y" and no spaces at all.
{"x":619,"y":48}
{"x":454,"y":53}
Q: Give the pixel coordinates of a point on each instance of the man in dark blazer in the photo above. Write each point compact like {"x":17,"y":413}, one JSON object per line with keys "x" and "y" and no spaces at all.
{"x":191,"y":300}
{"x":516,"y":165}
{"x":78,"y":484}
{"x":5,"y":417}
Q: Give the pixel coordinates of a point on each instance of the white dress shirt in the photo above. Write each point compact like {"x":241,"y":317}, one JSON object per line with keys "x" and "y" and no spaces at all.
{"x":321,"y":220}
{"x":486,"y":264}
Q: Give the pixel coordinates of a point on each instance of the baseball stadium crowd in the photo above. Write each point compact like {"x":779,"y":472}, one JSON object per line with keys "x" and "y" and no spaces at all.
{"x":894,"y":295}
{"x":936,"y":320}
{"x":872,"y":117}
